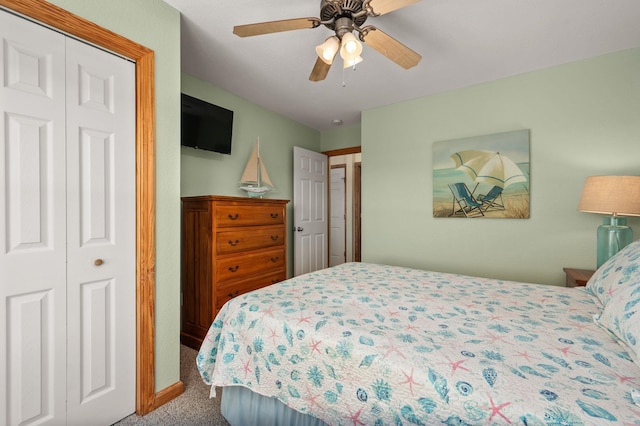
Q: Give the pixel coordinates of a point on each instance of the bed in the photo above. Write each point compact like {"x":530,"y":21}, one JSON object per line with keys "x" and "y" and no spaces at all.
{"x":369,"y":344}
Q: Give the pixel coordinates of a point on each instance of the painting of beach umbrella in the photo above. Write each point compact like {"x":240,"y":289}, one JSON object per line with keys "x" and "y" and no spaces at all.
{"x":489,"y":167}
{"x":494,"y":168}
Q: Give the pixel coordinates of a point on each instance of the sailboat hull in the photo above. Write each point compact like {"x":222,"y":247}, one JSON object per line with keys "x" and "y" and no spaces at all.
{"x":255,"y":191}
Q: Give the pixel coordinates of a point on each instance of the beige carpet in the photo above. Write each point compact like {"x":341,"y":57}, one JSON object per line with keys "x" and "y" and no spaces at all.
{"x":193,"y":407}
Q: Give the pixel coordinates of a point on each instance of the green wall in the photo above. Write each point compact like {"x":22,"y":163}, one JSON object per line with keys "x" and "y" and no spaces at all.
{"x":341,"y":137}
{"x":156,"y":25}
{"x":584,"y":119}
{"x":205,"y":172}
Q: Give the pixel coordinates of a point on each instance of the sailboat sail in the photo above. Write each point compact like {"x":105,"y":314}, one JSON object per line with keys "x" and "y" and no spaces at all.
{"x":264,"y":176}
{"x":255,"y":178}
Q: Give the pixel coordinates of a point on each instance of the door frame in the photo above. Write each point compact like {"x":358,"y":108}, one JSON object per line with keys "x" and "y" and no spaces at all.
{"x":62,"y":20}
{"x":356,"y":187}
{"x":357,"y":211}
{"x":344,"y":211}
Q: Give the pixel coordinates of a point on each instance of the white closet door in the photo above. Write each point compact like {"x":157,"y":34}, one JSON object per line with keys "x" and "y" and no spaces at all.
{"x":67,"y":229}
{"x":32,"y":224}
{"x":101,"y":235}
{"x":337,"y":203}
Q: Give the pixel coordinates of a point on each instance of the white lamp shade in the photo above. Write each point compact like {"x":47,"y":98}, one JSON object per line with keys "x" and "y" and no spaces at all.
{"x":351,"y":48}
{"x":611,"y":195}
{"x":352,"y":62}
{"x":327,"y":50}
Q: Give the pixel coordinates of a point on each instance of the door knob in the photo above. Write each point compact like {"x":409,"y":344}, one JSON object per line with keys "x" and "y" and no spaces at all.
{"x":98,"y":262}
{"x":300,"y":229}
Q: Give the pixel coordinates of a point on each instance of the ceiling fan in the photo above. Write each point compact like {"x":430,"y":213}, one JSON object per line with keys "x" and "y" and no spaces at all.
{"x":343,"y":17}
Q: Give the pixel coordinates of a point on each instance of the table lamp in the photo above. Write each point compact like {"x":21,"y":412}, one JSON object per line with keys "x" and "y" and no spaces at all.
{"x":614,"y":196}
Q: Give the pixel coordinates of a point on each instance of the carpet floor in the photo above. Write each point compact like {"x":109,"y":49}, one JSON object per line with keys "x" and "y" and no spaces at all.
{"x":192,"y":408}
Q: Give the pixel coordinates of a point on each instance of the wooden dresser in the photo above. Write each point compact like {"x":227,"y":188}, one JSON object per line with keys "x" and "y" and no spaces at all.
{"x":230,"y":245}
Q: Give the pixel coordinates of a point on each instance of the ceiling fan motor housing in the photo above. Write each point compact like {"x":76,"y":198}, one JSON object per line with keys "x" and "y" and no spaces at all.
{"x":339,"y":12}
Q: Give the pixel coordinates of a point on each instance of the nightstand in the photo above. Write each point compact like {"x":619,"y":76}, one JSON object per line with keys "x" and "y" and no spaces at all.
{"x":577,"y":277}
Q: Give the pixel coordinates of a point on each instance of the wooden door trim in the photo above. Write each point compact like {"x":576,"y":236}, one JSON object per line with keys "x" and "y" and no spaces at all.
{"x":357,"y":230}
{"x":343,"y":151}
{"x":357,"y":226}
{"x":76,"y":26}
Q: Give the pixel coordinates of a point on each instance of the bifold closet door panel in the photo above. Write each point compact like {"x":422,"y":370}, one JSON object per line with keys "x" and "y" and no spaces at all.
{"x":101,"y":233}
{"x":32,"y":223}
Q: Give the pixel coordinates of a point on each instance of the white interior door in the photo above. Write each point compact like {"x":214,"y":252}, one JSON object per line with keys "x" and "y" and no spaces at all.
{"x":310,"y":222}
{"x":67,"y":325}
{"x":101,"y":235}
{"x":338,"y":223}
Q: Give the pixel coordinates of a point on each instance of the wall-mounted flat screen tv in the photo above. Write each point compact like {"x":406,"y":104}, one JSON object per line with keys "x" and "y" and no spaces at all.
{"x":206,"y":126}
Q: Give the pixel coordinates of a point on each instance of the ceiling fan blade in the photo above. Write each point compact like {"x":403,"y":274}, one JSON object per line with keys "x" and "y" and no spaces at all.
{"x":275,"y":26}
{"x":380,"y":7}
{"x":320,"y":70}
{"x":391,"y":48}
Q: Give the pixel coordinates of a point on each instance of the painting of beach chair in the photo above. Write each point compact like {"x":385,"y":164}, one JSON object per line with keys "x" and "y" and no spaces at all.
{"x":466,"y":204}
{"x":496,"y":166}
{"x":492,"y":200}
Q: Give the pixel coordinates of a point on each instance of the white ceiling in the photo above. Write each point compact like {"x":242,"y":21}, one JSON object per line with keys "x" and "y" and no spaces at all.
{"x":462,"y":42}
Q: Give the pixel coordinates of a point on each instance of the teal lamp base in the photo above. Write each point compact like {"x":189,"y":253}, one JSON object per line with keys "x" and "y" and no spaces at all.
{"x":613,"y":236}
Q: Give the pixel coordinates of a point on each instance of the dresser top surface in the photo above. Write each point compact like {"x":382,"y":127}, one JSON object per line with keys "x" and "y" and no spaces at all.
{"x":228,"y":198}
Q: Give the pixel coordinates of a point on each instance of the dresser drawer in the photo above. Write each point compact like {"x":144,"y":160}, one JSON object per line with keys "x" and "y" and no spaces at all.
{"x":235,"y":288}
{"x":236,"y":267}
{"x":235,"y":215}
{"x":244,"y":239}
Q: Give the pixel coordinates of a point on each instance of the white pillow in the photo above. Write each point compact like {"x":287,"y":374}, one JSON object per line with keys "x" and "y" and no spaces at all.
{"x":621,"y":316}
{"x":621,"y":271}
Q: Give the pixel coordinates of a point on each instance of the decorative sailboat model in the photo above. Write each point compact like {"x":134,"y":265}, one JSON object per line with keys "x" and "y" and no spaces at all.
{"x":255,"y":179}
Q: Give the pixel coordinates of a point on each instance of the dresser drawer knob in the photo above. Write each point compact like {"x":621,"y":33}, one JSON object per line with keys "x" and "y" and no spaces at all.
{"x":234,"y":268}
{"x":274,"y":238}
{"x":275,"y":259}
{"x":274,"y":215}
{"x":234,"y":217}
{"x":232,"y":294}
{"x":233,"y":243}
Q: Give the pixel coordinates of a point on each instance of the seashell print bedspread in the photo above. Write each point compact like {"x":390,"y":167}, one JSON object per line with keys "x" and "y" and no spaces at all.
{"x":366,"y":344}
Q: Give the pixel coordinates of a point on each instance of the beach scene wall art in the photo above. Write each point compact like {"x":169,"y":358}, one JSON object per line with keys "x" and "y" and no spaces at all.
{"x":484,"y":176}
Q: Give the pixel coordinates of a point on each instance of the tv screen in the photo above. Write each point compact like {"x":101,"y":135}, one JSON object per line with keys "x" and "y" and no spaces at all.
{"x":206,"y":126}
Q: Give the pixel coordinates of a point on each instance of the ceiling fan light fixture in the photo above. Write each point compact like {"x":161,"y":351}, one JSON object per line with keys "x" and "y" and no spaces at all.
{"x":351,"y":48}
{"x":327,"y":50}
{"x":352,"y":62}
